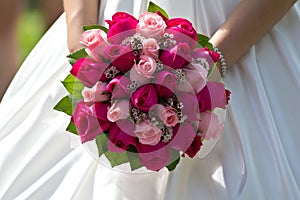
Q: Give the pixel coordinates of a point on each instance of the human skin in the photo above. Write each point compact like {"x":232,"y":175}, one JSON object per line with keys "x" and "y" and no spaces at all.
{"x":8,"y":17}
{"x":248,"y":22}
{"x":79,"y":13}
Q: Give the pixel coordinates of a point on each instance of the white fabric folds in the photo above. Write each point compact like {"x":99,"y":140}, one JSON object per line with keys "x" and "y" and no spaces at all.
{"x":257,"y":156}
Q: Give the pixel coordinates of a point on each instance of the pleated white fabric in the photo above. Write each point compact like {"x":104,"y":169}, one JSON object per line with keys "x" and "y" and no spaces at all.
{"x":256,"y":157}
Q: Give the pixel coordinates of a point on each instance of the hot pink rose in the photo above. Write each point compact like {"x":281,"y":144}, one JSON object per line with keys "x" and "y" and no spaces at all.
{"x":183,"y":31}
{"x":195,"y":78}
{"x":204,"y":53}
{"x":147,"y":133}
{"x":100,"y":108}
{"x":211,"y":96}
{"x":177,"y":56}
{"x":151,"y":25}
{"x":121,"y":26}
{"x":166,"y":83}
{"x":184,"y":135}
{"x":150,"y":48}
{"x":209,"y":125}
{"x":86,"y":121}
{"x":154,"y":157}
{"x":168,"y":115}
{"x":88,"y":71}
{"x":96,"y":93}
{"x":96,"y":42}
{"x":120,"y":136}
{"x":143,"y":70}
{"x":119,"y":110}
{"x":120,"y":56}
{"x":195,"y":147}
{"x":190,"y":106}
{"x":118,"y":87}
{"x":144,"y":97}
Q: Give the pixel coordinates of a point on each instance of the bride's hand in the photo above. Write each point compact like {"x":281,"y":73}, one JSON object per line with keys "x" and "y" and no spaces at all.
{"x":79,"y":13}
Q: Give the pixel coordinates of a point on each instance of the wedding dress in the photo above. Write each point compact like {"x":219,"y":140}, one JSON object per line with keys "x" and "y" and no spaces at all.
{"x":257,"y":156}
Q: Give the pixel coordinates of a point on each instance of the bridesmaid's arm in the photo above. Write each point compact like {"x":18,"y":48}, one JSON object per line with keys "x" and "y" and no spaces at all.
{"x":247,"y":24}
{"x":79,"y":13}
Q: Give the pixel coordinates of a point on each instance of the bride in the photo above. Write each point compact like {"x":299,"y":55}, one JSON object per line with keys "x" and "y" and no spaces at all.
{"x":256,"y":157}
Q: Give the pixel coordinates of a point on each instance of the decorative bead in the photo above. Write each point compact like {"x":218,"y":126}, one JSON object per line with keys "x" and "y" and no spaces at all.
{"x":222,"y":62}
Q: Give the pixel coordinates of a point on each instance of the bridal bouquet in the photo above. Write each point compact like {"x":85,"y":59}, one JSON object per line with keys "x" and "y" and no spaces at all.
{"x":141,"y":90}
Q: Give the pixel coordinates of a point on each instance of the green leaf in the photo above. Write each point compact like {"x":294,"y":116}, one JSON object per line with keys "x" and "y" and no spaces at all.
{"x":202,"y":40}
{"x":64,"y":105}
{"x":73,"y":57}
{"x":73,"y":86}
{"x":174,"y":160}
{"x":101,"y":141}
{"x":134,"y":159}
{"x":153,"y":8}
{"x":95,"y":26}
{"x":72,"y":128}
{"x":212,"y":69}
{"x":116,"y":159}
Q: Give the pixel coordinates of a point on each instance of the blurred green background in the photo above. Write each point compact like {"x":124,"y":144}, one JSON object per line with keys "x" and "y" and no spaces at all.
{"x":30,"y":29}
{"x":34,"y":20}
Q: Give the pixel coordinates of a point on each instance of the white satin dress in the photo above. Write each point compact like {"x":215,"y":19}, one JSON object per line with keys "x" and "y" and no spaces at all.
{"x":257,"y":156}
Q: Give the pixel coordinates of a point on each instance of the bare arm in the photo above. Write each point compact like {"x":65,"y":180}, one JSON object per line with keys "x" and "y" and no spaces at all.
{"x":247,"y":24}
{"x":79,"y":13}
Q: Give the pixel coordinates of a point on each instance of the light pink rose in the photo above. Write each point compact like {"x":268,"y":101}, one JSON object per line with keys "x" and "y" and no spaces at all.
{"x":119,"y":110}
{"x":147,"y":133}
{"x":209,"y":125}
{"x":95,"y":41}
{"x":151,"y":25}
{"x":96,"y":93}
{"x":150,"y":48}
{"x":168,"y":115}
{"x":195,"y":78}
{"x":143,"y":70}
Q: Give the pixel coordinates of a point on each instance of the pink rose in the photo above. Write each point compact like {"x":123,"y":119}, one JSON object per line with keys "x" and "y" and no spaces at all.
{"x":183,"y":31}
{"x":120,"y":136}
{"x":211,"y":96}
{"x":151,"y":25}
{"x":195,"y":78}
{"x":166,"y":83}
{"x":118,"y":87}
{"x":154,"y":157}
{"x":176,"y":56}
{"x":86,"y":122}
{"x":184,"y":135}
{"x":96,"y":42}
{"x":121,"y":26}
{"x":150,"y":48}
{"x":119,"y":110}
{"x":147,"y":133}
{"x":100,"y":108}
{"x":144,"y":97}
{"x":143,"y":70}
{"x":88,"y":71}
{"x":195,"y":147}
{"x":120,"y":56}
{"x":96,"y":93}
{"x":204,"y":53}
{"x":168,"y":115}
{"x":209,"y":125}
{"x":190,"y":106}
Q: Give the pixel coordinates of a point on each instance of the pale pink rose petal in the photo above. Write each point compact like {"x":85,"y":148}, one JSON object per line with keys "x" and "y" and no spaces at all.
{"x":147,"y":133}
{"x":151,"y":25}
{"x":119,"y":110}
{"x":150,"y":48}
{"x":210,"y":125}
